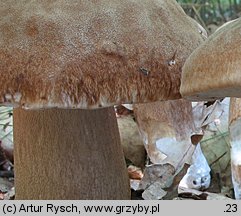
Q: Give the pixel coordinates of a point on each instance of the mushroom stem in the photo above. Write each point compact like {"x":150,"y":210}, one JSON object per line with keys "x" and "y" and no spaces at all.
{"x":69,"y":154}
{"x":235,"y":142}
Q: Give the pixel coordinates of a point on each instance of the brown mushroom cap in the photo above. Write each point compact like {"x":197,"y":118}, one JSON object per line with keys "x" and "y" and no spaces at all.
{"x":89,"y":54}
{"x":213,"y":70}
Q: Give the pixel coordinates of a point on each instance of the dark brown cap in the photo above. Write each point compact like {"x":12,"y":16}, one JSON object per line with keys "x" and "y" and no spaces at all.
{"x":214,"y":69}
{"x":89,"y":54}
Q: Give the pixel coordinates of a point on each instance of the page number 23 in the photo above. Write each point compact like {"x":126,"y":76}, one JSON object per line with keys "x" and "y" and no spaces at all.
{"x":231,"y":208}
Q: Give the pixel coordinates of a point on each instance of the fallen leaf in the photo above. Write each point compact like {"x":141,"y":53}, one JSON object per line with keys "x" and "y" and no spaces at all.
{"x":157,"y":173}
{"x":154,"y":192}
{"x":134,"y":172}
{"x":195,"y":194}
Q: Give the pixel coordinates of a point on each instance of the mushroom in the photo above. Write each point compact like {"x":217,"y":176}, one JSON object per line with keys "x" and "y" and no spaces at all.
{"x":235,"y":143}
{"x":166,"y":128}
{"x":58,"y":58}
{"x":213,"y":71}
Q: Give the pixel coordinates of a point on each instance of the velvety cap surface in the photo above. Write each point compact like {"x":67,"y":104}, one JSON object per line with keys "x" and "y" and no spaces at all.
{"x":89,"y":54}
{"x":213,"y":70}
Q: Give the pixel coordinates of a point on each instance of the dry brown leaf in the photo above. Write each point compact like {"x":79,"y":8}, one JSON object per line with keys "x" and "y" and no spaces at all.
{"x":154,"y":192}
{"x":134,"y":172}
{"x":161,"y":183}
{"x":157,"y":173}
{"x":173,"y":189}
{"x":195,"y":194}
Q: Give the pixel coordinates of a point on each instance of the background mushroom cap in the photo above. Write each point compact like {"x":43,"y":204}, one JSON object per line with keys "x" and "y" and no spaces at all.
{"x":213,"y":70}
{"x":90,"y":54}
